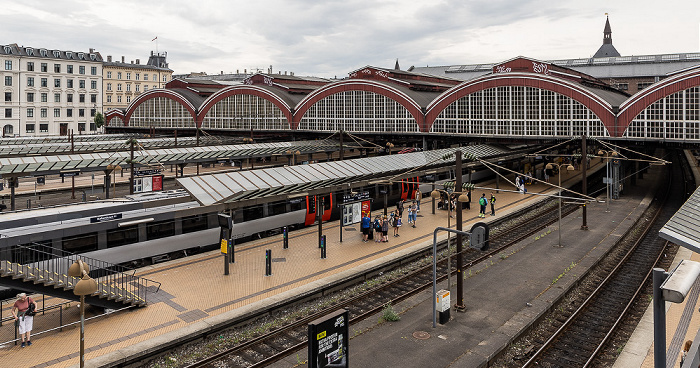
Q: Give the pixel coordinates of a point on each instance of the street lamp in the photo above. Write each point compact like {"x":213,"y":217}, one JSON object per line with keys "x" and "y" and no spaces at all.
{"x":86,"y":286}
{"x":462,"y":198}
{"x":607,"y":155}
{"x":389,"y":146}
{"x":559,"y":167}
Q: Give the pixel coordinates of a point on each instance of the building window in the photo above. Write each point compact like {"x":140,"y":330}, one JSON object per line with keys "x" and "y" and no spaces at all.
{"x":30,"y":113}
{"x":30,"y":81}
{"x":109,"y":98}
{"x":93,"y":127}
{"x":137,"y":76}
{"x":137,"y":88}
{"x":8,"y":80}
{"x":44,"y":112}
{"x":8,"y":113}
{"x":81,"y":113}
{"x":165,"y":78}
{"x":119,"y":86}
{"x":128,"y":99}
{"x":128,"y":76}
{"x":93,"y":112}
{"x":56,"y":97}
{"x":30,"y":128}
{"x":81,"y":97}
{"x":69,"y":83}
{"x":30,"y":66}
{"x":44,"y":128}
{"x":109,"y":75}
{"x":8,"y":64}
{"x":119,"y":99}
{"x":44,"y":82}
{"x":119,"y":75}
{"x":69,"y":69}
{"x":44,"y":97}
{"x":109,"y":86}
{"x":81,"y":69}
{"x":81,"y":84}
{"x":81,"y":127}
{"x":641,"y":86}
{"x":128,"y":87}
{"x":57,"y":68}
{"x":30,"y":96}
{"x":623,"y":86}
{"x":145,"y":76}
{"x":93,"y":84}
{"x":56,"y":113}
{"x":145,"y":87}
{"x":93,"y":98}
{"x":8,"y":96}
{"x":57,"y":83}
{"x":69,"y":97}
{"x":44,"y":67}
{"x":69,"y":113}
{"x":93,"y":70}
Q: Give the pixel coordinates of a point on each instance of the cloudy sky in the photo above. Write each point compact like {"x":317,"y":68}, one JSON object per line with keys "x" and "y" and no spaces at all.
{"x":328,"y":38}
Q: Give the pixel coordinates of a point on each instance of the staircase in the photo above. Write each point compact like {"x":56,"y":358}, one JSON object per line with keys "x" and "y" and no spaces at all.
{"x":42,"y":269}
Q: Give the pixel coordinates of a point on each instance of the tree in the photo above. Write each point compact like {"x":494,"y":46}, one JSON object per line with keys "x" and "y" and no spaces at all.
{"x":99,"y":120}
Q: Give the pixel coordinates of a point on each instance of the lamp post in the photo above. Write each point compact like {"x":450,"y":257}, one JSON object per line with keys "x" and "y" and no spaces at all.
{"x":389,"y":146}
{"x":559,"y":167}
{"x":86,"y":286}
{"x":607,"y":155}
{"x":294,"y":155}
{"x":435,"y":194}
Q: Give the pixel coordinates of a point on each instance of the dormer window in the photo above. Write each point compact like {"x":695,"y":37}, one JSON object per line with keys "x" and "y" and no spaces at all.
{"x":43,"y":52}
{"x":8,"y":50}
{"x":30,"y":51}
{"x":69,"y":55}
{"x":92,"y":57}
{"x":56,"y":54}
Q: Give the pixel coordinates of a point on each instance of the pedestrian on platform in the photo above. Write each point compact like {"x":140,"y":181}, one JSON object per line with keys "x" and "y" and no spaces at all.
{"x":418,"y":197}
{"x":378,"y":237}
{"x":482,"y":205}
{"x":395,"y":222}
{"x":385,"y":229}
{"x":413,"y":213}
{"x":366,"y":229}
{"x":399,"y":208}
{"x":492,"y":200}
{"x":23,"y":311}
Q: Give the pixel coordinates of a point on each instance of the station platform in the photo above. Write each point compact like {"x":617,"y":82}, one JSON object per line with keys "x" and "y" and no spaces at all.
{"x":195,"y":296}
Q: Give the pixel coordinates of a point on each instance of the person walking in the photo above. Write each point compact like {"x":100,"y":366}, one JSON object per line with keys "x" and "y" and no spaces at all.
{"x":23,"y":311}
{"x":399,"y":208}
{"x":492,"y":200}
{"x":469,"y":199}
{"x":482,"y":205}
{"x":366,"y":229}
{"x":686,"y":349}
{"x":418,"y":197}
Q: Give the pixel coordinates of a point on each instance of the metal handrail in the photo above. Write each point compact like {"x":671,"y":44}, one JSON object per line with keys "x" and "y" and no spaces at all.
{"x":50,"y":265}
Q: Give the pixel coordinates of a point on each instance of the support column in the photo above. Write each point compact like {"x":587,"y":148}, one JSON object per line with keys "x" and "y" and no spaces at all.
{"x":584,"y":181}
{"x":460,"y":280}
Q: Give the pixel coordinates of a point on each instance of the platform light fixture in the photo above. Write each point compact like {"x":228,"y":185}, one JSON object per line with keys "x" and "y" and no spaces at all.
{"x":560,"y":167}
{"x":86,"y":286}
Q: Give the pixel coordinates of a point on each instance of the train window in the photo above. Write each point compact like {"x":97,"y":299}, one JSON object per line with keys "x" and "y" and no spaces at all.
{"x":162,"y":229}
{"x":252,"y":213}
{"x":122,"y":236}
{"x":276,"y":208}
{"x":296,"y":204}
{"x":326,"y":202}
{"x":81,"y":243}
{"x":194,"y":223}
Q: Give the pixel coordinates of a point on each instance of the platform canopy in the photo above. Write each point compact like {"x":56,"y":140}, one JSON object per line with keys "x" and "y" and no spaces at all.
{"x":44,"y":165}
{"x":684,"y":227}
{"x":302,"y":179}
{"x":65,"y":139}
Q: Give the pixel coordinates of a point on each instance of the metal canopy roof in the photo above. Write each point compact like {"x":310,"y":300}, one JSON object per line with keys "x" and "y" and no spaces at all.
{"x":62,"y":147}
{"x":684,"y":227}
{"x":43,"y":165}
{"x":65,"y":139}
{"x":245,"y":185}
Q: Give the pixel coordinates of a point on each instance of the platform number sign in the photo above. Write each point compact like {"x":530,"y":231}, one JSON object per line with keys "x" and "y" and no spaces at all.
{"x":328,"y":341}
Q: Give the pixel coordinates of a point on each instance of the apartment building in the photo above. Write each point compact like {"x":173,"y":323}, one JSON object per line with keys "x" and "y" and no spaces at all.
{"x":124,"y":81}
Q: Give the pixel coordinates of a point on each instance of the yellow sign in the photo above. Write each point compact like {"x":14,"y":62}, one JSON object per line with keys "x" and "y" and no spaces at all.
{"x":224,"y":246}
{"x":321,"y":335}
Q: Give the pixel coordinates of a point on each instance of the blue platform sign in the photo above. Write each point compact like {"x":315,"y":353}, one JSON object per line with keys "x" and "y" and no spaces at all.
{"x":328,"y":341}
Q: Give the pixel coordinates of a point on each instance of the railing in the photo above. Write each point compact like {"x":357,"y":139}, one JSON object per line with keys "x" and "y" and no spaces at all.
{"x":49,"y":266}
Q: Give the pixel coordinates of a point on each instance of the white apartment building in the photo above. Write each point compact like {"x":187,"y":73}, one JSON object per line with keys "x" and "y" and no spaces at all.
{"x":49,"y":92}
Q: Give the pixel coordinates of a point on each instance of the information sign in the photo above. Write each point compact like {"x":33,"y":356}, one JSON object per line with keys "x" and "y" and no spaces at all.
{"x":328,"y":341}
{"x":354,"y":197}
{"x":104,"y":218}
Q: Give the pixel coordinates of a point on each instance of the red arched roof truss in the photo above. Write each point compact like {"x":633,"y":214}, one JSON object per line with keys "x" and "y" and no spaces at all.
{"x":109,"y":115}
{"x":644,"y":98}
{"x":600,"y":107}
{"x":243,"y":90}
{"x":154,"y":93}
{"x":359,"y":85}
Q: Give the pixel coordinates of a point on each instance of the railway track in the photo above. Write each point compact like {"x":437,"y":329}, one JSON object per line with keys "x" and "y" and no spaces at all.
{"x":277,"y":344}
{"x":576,"y":333}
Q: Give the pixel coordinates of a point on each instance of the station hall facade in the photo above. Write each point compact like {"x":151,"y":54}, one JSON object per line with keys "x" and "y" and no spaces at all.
{"x":521,"y":97}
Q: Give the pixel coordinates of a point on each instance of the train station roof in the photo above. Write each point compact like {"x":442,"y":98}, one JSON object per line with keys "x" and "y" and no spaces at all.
{"x":64,"y":139}
{"x":45,"y":165}
{"x":304,"y":179}
{"x":684,"y":227}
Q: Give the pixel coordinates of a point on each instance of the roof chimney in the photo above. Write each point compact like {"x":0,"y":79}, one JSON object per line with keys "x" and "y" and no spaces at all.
{"x":122,"y":58}
{"x":222,"y":72}
{"x":138,"y":61}
{"x":109,"y":58}
{"x":285,"y":72}
{"x":92,"y":50}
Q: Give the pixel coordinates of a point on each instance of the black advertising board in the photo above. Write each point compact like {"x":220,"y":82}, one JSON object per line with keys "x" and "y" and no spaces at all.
{"x":328,"y":341}
{"x":355,"y":197}
{"x":103,"y":218}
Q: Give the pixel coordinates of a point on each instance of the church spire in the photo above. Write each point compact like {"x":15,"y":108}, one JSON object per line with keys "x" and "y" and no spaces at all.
{"x":607,"y":49}
{"x":607,"y":32}
{"x":396,"y":67}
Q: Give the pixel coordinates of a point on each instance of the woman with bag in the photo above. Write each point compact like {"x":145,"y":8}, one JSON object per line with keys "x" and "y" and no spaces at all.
{"x":23,"y":311}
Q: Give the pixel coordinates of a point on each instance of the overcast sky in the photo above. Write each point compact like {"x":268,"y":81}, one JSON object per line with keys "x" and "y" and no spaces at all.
{"x":328,"y":38}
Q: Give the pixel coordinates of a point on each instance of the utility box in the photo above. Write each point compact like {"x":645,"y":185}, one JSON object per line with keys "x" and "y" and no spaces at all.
{"x":443,"y":306}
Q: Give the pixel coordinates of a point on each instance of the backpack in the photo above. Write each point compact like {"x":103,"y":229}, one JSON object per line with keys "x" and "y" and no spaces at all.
{"x":30,"y":310}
